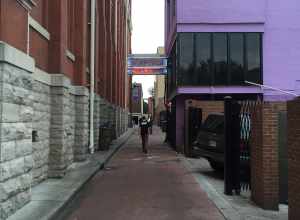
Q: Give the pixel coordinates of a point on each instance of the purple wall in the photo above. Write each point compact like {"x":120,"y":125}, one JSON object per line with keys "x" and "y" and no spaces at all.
{"x":279,"y":21}
{"x":282,"y":45}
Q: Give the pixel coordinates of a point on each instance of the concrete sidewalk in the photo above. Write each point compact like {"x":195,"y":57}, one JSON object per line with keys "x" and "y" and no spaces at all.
{"x":51,"y":196}
{"x":233,"y":207}
{"x":135,"y":186}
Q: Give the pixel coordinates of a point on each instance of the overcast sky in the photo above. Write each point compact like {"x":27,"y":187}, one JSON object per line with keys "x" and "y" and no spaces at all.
{"x":148,"y":33}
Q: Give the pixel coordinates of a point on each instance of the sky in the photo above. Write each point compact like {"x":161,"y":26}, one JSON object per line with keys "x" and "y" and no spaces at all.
{"x":148,"y":33}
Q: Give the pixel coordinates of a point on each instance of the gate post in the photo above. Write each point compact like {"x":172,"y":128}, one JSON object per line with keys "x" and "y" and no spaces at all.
{"x":294,"y":158}
{"x":228,"y":185}
{"x":264,"y":154}
{"x":232,"y":141}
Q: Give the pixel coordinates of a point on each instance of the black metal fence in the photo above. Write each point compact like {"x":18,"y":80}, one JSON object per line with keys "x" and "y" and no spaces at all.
{"x":237,"y":172}
{"x":193,"y":122}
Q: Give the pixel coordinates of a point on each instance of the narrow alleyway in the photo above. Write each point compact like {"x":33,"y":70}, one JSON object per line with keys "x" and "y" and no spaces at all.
{"x":135,"y":186}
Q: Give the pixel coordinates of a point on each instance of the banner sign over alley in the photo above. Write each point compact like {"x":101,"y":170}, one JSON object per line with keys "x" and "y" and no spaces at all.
{"x":147,"y":64}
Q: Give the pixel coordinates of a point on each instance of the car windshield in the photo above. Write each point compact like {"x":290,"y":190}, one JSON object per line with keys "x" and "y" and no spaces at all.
{"x":214,"y":123}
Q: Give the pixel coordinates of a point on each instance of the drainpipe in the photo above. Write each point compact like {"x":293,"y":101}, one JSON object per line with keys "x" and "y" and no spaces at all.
{"x":28,"y":34}
{"x":92,"y":78}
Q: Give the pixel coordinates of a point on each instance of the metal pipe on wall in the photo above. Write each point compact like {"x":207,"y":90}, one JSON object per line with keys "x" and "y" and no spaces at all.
{"x":92,"y":78}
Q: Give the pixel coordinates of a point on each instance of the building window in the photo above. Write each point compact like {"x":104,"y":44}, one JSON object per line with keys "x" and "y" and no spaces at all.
{"x":203,"y":59}
{"x":174,"y":8}
{"x":168,"y":16}
{"x":186,"y":59}
{"x":236,"y":62}
{"x":71,"y":25}
{"x":219,"y":58}
{"x":253,"y":51}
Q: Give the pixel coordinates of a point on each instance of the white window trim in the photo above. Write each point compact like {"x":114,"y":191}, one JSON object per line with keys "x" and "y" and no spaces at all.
{"x":70,"y":55}
{"x":27,"y":4}
{"x":39,"y":28}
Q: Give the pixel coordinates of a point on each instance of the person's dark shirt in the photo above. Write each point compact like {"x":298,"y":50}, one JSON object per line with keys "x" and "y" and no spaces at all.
{"x":144,"y":125}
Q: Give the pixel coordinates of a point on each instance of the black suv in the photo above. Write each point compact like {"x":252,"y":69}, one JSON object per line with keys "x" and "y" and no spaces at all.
{"x":210,"y":141}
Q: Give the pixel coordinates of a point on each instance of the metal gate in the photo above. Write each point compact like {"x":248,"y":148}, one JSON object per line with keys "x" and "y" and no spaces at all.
{"x":237,"y":172}
{"x":193,"y":121}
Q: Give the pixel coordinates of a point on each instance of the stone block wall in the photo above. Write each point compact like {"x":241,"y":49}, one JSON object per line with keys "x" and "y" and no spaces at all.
{"x":81,"y":146}
{"x":264,"y":154}
{"x":62,"y":130}
{"x":44,"y":126}
{"x":294,"y":159}
{"x":96,"y":121}
{"x":41,"y":125}
{"x":118,"y":122}
{"x":16,"y":114}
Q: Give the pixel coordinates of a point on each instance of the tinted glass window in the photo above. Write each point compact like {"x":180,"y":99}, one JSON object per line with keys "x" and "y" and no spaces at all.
{"x":186,"y":59}
{"x":253,"y":58}
{"x":237,"y":59}
{"x":220,"y":58}
{"x":214,"y":123}
{"x":203,"y":58}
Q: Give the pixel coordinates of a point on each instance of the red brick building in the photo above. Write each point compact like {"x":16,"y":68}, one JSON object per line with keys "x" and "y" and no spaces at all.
{"x":53,"y":55}
{"x":59,"y":40}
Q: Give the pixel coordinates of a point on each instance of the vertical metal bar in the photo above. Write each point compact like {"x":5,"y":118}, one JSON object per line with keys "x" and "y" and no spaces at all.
{"x":228,"y":185}
{"x":235,"y":145}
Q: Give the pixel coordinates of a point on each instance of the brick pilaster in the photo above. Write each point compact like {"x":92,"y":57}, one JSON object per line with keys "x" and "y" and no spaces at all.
{"x":264,"y":154}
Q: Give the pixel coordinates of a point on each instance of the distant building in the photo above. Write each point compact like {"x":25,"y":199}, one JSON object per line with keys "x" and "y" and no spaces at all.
{"x":151,"y":106}
{"x":136,"y":101}
{"x":159,"y":91}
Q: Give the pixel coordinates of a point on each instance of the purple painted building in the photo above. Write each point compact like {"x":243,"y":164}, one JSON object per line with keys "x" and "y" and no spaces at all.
{"x":215,"y":47}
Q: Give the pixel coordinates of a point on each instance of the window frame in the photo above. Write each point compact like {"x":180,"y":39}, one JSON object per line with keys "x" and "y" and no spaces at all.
{"x":229,"y":81}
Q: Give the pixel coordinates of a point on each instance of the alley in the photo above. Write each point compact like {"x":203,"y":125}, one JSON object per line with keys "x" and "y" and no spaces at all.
{"x":135,"y":186}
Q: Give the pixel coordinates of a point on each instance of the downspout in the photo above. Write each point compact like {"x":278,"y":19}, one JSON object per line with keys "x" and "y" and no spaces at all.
{"x":92,"y":78}
{"x":28,"y":34}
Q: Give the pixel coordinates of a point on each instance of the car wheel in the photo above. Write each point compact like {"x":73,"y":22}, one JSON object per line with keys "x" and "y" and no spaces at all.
{"x":216,"y":166}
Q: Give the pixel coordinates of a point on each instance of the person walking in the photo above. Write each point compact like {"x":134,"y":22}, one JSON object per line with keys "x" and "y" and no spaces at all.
{"x":150,"y":122}
{"x":144,"y":131}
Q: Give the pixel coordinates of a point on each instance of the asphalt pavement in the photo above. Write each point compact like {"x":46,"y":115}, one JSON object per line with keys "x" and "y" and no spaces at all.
{"x":138,"y":186}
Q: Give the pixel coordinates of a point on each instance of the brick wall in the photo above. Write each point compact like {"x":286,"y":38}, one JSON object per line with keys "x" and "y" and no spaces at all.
{"x":264,"y":154}
{"x":207,"y":107}
{"x":294,"y":158}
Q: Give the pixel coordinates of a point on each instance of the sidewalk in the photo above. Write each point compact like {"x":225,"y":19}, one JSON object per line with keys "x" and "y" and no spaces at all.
{"x":233,"y":207}
{"x":135,"y":186}
{"x":51,"y":196}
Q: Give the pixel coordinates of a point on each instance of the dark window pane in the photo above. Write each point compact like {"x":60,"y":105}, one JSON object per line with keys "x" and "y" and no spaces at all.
{"x":237,"y":59}
{"x":186,"y":63}
{"x":220,"y":58}
{"x":203,"y":59}
{"x":253,"y":58}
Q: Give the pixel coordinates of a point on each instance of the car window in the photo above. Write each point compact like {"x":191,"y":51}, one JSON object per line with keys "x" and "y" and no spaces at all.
{"x":214,"y":123}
